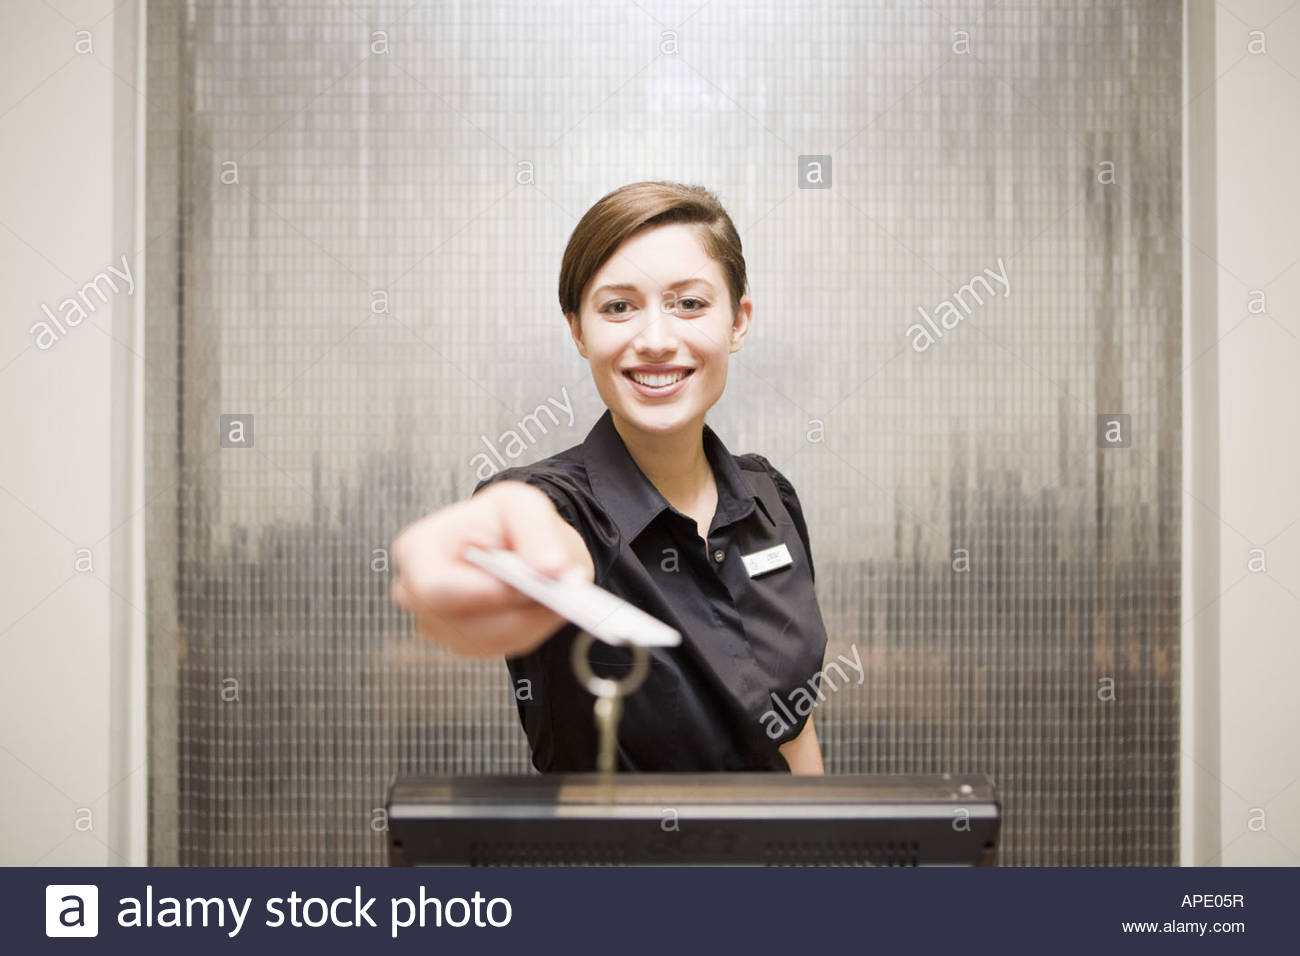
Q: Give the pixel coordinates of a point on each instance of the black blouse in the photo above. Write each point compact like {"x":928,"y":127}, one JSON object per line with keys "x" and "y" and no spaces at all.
{"x":748,"y":670}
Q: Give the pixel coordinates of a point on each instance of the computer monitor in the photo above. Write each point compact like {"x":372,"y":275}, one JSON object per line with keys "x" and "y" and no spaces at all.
{"x":694,"y":819}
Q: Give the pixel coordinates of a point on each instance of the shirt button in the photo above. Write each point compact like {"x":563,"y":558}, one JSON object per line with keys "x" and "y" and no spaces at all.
{"x":719,"y":555}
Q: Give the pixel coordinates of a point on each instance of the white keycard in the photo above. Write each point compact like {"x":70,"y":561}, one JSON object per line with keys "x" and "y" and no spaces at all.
{"x":600,"y":613}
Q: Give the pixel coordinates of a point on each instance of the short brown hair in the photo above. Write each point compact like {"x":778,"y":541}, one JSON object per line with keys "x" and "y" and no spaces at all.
{"x":636,"y":206}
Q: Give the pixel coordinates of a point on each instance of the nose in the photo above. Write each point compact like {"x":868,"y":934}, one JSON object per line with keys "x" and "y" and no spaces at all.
{"x":659,"y":332}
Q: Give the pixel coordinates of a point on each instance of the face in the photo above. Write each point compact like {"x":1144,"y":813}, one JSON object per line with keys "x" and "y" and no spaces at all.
{"x":660,"y":307}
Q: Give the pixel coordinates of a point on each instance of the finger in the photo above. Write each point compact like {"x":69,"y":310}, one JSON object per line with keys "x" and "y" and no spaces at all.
{"x":535,"y":532}
{"x":504,"y":633}
{"x":429,"y":554}
{"x":434,"y":573}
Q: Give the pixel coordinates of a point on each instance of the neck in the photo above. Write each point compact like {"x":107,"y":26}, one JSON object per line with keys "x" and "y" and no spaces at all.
{"x":674,"y":462}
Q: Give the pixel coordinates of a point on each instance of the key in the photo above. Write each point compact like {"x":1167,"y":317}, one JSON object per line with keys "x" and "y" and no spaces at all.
{"x":609,"y":694}
{"x":608,"y":712}
{"x":599,"y":615}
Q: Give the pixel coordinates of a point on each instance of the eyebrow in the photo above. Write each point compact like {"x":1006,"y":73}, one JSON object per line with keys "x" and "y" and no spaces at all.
{"x":628,"y":287}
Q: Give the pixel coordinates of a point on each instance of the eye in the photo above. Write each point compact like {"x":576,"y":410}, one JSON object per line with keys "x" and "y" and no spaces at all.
{"x":608,"y":308}
{"x":683,"y":305}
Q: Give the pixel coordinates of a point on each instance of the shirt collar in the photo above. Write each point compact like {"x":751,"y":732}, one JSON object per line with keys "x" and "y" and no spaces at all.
{"x":633,"y":501}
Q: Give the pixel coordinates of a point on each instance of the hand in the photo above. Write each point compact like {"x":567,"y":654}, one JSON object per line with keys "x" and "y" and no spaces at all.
{"x":463,"y":607}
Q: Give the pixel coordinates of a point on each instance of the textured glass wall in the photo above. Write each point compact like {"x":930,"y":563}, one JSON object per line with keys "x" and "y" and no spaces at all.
{"x":369,"y":204}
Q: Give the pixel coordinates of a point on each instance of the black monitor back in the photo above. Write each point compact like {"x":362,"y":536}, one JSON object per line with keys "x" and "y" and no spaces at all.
{"x":676,"y":819}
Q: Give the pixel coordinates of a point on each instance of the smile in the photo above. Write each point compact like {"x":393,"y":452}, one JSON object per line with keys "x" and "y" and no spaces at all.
{"x":665,"y":384}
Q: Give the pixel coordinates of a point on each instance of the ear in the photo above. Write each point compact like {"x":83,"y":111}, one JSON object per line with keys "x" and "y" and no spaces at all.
{"x":741,"y":322}
{"x":575,"y":330}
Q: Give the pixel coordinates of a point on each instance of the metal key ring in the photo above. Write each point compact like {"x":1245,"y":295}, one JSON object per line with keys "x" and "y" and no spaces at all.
{"x":608,"y":686}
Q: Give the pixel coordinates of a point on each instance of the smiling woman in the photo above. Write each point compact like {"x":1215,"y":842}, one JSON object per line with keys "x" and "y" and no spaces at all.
{"x":651,"y":506}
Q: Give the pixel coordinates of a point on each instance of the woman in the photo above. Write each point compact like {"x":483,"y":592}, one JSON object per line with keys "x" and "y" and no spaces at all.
{"x":650,"y":506}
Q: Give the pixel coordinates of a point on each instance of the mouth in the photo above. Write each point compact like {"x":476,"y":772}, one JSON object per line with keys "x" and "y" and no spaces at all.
{"x":658,"y":383}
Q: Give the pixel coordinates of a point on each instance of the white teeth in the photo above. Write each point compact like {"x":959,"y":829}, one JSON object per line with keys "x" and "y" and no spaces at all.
{"x":658,"y":381}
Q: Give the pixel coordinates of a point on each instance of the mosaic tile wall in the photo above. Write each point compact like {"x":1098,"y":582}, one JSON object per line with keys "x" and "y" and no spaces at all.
{"x":965,"y":356}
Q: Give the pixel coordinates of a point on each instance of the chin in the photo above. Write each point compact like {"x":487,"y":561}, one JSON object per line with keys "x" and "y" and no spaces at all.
{"x":656,"y":420}
{"x":661,"y":419}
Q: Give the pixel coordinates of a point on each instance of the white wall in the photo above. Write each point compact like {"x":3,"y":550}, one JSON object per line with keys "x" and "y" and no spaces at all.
{"x":71,"y":680}
{"x":1242,"y":642}
{"x":71,"y":763}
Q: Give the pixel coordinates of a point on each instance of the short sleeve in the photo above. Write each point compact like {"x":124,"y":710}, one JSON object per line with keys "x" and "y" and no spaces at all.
{"x":791,"y":502}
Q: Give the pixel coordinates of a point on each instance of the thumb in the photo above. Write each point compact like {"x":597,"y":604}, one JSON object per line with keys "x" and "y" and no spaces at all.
{"x":574,"y":574}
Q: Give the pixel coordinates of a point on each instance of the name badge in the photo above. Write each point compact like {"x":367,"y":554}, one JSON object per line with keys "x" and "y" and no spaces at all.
{"x":769,"y":559}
